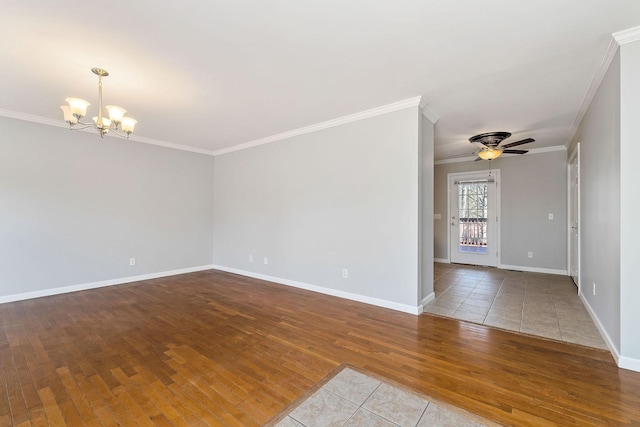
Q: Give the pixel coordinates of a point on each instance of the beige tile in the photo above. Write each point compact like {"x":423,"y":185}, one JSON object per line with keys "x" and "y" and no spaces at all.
{"x":579,"y":328}
{"x":508,"y":301}
{"x":396,"y":405}
{"x":502,"y":323}
{"x":512,"y":315}
{"x":365,"y":418}
{"x":536,"y":312}
{"x":489,"y":286}
{"x":515,"y":282}
{"x":324,"y":408}
{"x":352,"y":385}
{"x":596,"y":342}
{"x":470,"y":308}
{"x":529,"y":298}
{"x":477,"y":302}
{"x":482,"y":296}
{"x":444,"y":303}
{"x":441,"y":311}
{"x":455,"y":292}
{"x":572,"y":314}
{"x":510,"y":309}
{"x":468,"y":316}
{"x":512,"y":291}
{"x":539,"y":299}
{"x":541,"y":328}
{"x":289,"y":422}
{"x":438,"y":416}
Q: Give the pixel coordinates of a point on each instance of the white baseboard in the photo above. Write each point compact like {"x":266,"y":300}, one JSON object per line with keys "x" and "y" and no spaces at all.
{"x":327,"y":291}
{"x":601,"y":329}
{"x":622,"y":361}
{"x":629,"y":363}
{"x":426,"y":300}
{"x":101,"y":284}
{"x":533,"y":269}
{"x":442,"y":260}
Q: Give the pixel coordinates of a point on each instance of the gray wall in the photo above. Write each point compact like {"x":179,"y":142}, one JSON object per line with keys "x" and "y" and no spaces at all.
{"x":426,"y":213}
{"x":630,"y":202}
{"x":343,"y":197}
{"x":74,"y":208}
{"x":531,"y":186}
{"x":599,"y":137}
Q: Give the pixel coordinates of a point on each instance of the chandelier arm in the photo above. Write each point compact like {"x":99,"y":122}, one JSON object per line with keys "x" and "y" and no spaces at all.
{"x":82,"y":126}
{"x":117,"y":132}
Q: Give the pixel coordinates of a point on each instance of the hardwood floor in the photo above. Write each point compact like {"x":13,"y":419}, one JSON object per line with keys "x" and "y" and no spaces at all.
{"x":213,"y":348}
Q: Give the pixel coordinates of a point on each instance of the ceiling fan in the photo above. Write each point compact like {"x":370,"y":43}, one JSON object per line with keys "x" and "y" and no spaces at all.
{"x":492,"y":149}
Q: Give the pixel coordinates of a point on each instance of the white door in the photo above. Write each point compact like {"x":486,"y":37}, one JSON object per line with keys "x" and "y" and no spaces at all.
{"x":473,"y":218}
{"x":574,"y":216}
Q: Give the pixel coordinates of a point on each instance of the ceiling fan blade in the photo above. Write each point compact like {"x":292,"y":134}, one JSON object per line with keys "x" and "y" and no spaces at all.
{"x":477,"y":160}
{"x":513,"y":144}
{"x":516,"y":151}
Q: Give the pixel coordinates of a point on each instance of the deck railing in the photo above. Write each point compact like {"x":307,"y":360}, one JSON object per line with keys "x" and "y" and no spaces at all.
{"x":473,"y":232}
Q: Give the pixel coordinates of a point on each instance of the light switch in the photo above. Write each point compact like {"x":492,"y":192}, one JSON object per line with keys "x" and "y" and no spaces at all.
{"x":550,"y":217}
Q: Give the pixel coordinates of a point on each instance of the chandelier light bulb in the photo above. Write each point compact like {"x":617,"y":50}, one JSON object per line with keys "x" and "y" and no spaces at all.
{"x":128,"y":124}
{"x":115,"y":113}
{"x":68,"y":116}
{"x":78,"y":107}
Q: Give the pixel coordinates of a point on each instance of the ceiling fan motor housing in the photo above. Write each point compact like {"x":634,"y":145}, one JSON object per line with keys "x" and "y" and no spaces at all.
{"x":490,"y":139}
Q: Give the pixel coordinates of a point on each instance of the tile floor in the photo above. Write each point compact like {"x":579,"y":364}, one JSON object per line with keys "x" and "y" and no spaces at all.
{"x":545,"y":305}
{"x":352,"y":398}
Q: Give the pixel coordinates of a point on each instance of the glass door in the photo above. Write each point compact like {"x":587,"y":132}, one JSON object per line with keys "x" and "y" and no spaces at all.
{"x":473,"y":218}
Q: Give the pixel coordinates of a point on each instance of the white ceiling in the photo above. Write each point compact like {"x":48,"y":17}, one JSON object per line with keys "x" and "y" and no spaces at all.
{"x":215,"y":74}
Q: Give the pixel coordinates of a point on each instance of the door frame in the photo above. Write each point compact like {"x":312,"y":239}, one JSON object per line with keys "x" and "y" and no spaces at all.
{"x":575,"y":155}
{"x":492,"y":173}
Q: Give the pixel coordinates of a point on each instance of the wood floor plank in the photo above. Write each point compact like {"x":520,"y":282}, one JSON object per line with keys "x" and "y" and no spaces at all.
{"x":51,"y":408}
{"x":213,"y":348}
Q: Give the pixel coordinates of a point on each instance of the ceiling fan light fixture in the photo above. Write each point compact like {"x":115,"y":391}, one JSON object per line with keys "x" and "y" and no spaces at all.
{"x":489,"y":153}
{"x":77,"y":109}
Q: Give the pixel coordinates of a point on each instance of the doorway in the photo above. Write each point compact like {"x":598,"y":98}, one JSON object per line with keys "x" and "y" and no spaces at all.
{"x":473,"y":218}
{"x":574,"y":216}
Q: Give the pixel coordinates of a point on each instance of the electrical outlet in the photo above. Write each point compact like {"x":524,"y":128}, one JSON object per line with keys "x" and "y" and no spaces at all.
{"x":345,"y":273}
{"x":530,"y":254}
{"x":250,"y":258}
{"x":132,"y":261}
{"x":594,"y":289}
{"x":266,"y":260}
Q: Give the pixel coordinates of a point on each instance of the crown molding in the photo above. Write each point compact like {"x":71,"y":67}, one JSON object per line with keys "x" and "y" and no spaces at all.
{"x":540,"y":150}
{"x":61,"y":124}
{"x":627,"y":36}
{"x":168,"y":144}
{"x":430,"y":115}
{"x":401,"y":105}
{"x":455,"y":160}
{"x":599,"y":74}
{"x":32,"y":118}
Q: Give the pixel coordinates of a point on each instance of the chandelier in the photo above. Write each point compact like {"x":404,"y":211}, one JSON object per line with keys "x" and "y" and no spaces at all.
{"x":116,"y":122}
